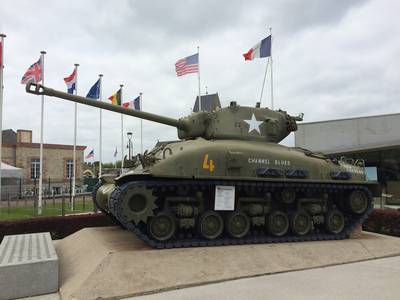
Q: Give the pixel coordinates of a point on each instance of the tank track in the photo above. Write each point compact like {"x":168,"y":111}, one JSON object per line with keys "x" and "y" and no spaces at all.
{"x":253,"y":237}
{"x":98,"y":207}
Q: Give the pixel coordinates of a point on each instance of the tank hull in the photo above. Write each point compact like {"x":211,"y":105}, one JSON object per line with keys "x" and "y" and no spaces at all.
{"x":173,"y":203}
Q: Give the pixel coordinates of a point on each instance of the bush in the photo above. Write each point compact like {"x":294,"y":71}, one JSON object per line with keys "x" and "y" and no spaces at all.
{"x":384,"y":221}
{"x":59,"y":227}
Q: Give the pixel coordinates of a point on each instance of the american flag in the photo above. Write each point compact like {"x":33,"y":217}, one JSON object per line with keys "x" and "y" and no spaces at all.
{"x":187,"y":65}
{"x":90,"y":155}
{"x":34,"y":73}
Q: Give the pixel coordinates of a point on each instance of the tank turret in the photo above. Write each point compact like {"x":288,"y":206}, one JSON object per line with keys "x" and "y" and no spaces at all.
{"x":234,"y":122}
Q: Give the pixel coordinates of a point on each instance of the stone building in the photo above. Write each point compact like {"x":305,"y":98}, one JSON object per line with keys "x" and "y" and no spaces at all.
{"x":19,"y":151}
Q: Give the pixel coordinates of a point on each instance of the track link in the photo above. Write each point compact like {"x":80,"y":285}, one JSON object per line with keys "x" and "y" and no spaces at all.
{"x":253,"y":238}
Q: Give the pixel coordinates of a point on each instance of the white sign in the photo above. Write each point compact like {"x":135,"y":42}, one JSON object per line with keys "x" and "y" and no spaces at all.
{"x":224,"y":197}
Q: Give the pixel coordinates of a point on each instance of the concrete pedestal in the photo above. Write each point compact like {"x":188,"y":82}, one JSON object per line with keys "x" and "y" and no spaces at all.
{"x":111,"y":262}
{"x":28,"y":266}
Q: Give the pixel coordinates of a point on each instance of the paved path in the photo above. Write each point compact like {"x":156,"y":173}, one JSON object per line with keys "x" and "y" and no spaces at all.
{"x":373,"y":279}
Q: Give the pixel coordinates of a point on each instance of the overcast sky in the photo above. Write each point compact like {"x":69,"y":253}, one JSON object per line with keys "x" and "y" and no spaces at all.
{"x":332,"y":59}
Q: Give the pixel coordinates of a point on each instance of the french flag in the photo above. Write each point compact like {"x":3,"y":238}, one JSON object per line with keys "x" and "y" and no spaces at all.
{"x":261,"y":49}
{"x":70,"y":81}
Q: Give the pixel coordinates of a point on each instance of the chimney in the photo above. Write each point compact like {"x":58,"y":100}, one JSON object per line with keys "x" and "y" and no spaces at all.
{"x":24,"y":136}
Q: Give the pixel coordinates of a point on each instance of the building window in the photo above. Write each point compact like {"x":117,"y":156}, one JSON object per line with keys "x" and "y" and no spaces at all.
{"x":35,"y":168}
{"x":69,"y":166}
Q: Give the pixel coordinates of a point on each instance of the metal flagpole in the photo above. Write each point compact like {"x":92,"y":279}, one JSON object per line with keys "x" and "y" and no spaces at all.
{"x":265,"y":76}
{"x":198,"y":74}
{"x":2,"y":36}
{"x":74,"y":151}
{"x":272,"y":82}
{"x":122,"y":135}
{"x":101,"y":125}
{"x":42,"y":53}
{"x":141,"y":124}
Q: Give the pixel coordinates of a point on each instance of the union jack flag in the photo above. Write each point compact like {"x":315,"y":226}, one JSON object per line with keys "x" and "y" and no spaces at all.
{"x":34,"y":73}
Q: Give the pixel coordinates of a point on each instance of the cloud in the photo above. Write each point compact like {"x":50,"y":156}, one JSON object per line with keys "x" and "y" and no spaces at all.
{"x":332,"y":59}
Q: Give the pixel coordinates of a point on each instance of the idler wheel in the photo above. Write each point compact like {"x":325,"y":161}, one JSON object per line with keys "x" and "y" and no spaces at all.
{"x":237,"y":224}
{"x":334,"y":221}
{"x":162,"y":226}
{"x":287,"y":196}
{"x":137,"y":202}
{"x":277,"y":223}
{"x":358,"y":202}
{"x":210,"y":225}
{"x":300,"y":222}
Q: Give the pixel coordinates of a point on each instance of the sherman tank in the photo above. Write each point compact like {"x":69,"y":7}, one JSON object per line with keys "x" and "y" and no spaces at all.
{"x":227,"y":181}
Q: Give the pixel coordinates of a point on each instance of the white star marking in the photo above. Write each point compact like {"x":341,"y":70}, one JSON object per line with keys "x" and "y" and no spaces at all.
{"x":254,"y":124}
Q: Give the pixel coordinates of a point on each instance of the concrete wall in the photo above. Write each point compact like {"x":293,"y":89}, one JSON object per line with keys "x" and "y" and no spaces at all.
{"x":349,"y":134}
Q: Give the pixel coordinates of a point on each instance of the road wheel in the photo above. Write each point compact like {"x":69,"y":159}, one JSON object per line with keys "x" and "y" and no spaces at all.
{"x":300,"y":222}
{"x":277,"y":223}
{"x":210,"y":225}
{"x":237,"y":224}
{"x":162,"y":226}
{"x":358,"y":202}
{"x":334,"y":221}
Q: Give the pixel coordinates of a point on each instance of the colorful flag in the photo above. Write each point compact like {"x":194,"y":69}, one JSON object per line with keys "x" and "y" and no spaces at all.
{"x":187,"y":65}
{"x":116,"y":98}
{"x":94,"y":91}
{"x":70,"y":81}
{"x":134,"y":104}
{"x":34,"y":73}
{"x":116,"y":152}
{"x":90,"y":155}
{"x":261,"y":49}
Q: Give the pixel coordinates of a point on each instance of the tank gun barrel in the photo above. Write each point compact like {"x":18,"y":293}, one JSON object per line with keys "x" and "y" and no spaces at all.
{"x":38,"y":89}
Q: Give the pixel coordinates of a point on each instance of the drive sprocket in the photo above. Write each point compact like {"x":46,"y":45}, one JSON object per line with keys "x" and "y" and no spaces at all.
{"x":133,"y":203}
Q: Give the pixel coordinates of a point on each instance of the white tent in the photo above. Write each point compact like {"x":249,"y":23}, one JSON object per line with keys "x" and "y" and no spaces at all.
{"x":8,"y":171}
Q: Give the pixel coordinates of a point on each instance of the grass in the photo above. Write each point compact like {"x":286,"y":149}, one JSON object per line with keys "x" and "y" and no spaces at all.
{"x":25,"y":212}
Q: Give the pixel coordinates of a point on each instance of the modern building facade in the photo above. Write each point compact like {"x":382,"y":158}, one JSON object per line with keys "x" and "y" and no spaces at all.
{"x":376,"y":139}
{"x":19,"y":151}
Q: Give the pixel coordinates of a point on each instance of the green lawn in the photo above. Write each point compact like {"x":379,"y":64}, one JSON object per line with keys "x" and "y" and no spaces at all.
{"x":24,"y":212}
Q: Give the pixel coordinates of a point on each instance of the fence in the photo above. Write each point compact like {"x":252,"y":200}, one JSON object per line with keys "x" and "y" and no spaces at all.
{"x":17,"y":189}
{"x":54,"y":205}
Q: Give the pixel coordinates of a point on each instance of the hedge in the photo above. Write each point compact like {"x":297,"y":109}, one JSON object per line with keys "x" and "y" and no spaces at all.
{"x":385,"y":221}
{"x":59,"y":227}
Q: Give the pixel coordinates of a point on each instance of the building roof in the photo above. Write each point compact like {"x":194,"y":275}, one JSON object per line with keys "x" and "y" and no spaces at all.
{"x":209,"y":102}
{"x":9,"y":136}
{"x":45,"y":146}
{"x":10,"y":140}
{"x":350,"y":135}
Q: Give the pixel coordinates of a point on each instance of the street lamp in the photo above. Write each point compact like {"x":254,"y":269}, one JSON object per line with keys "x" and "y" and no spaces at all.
{"x":130,"y":145}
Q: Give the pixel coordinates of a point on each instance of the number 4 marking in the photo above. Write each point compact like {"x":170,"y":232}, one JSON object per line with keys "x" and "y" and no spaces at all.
{"x":208,"y":164}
